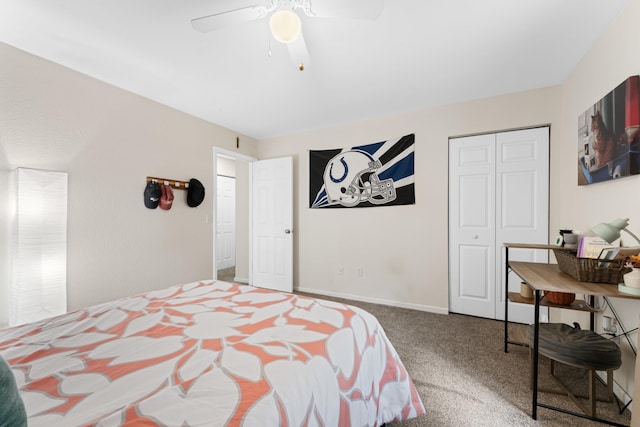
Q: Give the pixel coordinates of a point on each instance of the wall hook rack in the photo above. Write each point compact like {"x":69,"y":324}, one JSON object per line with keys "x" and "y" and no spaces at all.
{"x":173,"y":183}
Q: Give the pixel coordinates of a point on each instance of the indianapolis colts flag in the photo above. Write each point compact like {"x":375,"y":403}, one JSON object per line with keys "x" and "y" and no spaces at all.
{"x":379,"y":174}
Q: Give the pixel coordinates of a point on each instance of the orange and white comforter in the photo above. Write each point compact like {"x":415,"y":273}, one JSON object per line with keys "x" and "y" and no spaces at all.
{"x":210,"y":354}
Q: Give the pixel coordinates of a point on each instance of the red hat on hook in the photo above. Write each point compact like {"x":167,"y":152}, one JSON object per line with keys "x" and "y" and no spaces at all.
{"x":166,"y":200}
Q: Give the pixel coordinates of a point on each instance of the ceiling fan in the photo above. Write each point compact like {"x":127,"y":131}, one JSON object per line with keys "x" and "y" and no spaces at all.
{"x":285,"y":23}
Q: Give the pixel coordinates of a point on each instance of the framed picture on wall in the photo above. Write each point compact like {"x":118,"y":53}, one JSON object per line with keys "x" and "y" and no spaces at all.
{"x":609,"y":137}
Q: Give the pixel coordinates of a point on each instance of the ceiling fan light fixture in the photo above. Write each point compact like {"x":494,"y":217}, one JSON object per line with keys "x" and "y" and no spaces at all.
{"x":285,"y":26}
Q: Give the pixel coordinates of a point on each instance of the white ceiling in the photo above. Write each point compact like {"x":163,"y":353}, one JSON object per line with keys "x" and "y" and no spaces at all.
{"x":416,"y":54}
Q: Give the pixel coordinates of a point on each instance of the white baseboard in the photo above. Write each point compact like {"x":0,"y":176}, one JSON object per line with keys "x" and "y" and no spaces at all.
{"x":392,"y":303}
{"x":241,"y":280}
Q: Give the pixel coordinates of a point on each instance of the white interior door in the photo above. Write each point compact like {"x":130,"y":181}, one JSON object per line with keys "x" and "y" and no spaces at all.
{"x":225,"y":222}
{"x":522,"y":216}
{"x":272,"y":223}
{"x":498,"y":192}
{"x":472,"y":225}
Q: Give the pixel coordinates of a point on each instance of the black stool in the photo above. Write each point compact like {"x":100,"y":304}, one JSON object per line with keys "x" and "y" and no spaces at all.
{"x":582,"y":349}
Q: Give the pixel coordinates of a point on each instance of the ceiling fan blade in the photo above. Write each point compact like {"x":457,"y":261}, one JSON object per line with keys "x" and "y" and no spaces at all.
{"x":364,"y":9}
{"x":226,"y":19}
{"x":299,"y":53}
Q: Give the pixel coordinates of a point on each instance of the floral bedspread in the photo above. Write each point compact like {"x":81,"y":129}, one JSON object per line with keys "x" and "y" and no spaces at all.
{"x":210,"y":354}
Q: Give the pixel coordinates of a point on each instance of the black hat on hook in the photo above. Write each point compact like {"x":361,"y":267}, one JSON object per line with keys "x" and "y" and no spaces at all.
{"x":195,"y":193}
{"x":152,"y":194}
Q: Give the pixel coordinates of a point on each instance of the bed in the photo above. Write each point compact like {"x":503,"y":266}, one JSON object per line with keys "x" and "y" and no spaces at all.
{"x":210,"y":354}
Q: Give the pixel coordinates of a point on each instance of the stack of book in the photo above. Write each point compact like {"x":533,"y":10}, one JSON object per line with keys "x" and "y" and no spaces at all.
{"x":597,"y":248}
{"x":593,"y":247}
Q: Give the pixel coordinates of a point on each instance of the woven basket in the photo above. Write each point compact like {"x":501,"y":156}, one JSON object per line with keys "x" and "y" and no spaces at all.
{"x":560,"y":298}
{"x":589,"y":270}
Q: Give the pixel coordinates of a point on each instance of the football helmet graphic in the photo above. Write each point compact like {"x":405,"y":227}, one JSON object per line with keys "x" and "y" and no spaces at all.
{"x":350,"y":178}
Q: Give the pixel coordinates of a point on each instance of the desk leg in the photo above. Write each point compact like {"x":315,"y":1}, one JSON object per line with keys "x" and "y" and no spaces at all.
{"x":536,"y":337}
{"x":592,"y":315}
{"x":506,"y":299}
{"x":635,"y":419}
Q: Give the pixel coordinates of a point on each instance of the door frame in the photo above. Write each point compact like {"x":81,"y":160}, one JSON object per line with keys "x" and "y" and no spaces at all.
{"x":217,"y":151}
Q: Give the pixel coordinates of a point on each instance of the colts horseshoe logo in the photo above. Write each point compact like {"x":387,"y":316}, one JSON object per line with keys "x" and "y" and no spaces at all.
{"x":346,"y":172}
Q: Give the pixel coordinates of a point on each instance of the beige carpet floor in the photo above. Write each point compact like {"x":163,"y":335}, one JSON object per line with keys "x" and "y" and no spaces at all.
{"x":227,"y":274}
{"x":465,"y":378}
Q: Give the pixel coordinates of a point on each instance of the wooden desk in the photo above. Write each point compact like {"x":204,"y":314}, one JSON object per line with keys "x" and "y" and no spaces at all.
{"x":547,"y":277}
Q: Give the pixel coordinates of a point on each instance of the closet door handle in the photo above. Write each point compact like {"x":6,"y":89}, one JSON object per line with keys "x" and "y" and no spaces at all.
{"x":476,"y":236}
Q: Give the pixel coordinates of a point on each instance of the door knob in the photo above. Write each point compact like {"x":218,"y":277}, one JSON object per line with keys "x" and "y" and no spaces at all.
{"x":287,"y":231}
{"x":475,"y":236}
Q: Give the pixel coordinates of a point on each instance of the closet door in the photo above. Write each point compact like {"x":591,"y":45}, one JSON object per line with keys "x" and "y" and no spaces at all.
{"x":498,"y":192}
{"x":472,"y":271}
{"x":522,"y":213}
{"x":225,"y":222}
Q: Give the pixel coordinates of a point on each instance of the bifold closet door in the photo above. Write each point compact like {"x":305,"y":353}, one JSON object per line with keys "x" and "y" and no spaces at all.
{"x":472,"y":271}
{"x":522,"y":208}
{"x":498,"y":192}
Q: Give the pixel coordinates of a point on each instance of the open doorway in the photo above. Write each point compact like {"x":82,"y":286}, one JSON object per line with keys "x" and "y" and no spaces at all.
{"x":232,"y":216}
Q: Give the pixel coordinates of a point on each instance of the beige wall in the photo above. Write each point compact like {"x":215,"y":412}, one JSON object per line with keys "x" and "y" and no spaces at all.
{"x":109,"y":140}
{"x":226,"y":167}
{"x":606,"y":65}
{"x":403,"y":249}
